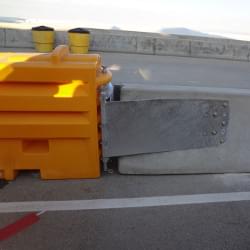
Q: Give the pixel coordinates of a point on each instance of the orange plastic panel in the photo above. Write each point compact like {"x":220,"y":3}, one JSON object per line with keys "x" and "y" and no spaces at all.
{"x":49,"y":114}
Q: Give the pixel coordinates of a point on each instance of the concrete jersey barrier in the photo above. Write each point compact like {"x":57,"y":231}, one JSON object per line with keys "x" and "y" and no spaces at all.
{"x":138,"y":43}
{"x":229,"y":157}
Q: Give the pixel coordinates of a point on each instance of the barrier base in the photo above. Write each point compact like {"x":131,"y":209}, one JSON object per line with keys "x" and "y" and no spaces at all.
{"x":54,"y":158}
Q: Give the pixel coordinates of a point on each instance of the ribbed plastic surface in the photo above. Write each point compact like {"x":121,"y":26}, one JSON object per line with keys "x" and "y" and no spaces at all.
{"x":48,"y":114}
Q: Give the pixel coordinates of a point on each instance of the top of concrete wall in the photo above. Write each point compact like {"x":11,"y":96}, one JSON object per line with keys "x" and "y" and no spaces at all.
{"x":138,"y":42}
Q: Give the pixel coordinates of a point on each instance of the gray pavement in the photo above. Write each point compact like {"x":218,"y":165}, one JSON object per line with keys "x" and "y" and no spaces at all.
{"x":146,"y":69}
{"x":205,"y":226}
{"x":30,"y":188}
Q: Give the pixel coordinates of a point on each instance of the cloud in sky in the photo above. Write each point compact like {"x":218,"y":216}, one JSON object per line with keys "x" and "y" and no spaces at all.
{"x":214,"y":16}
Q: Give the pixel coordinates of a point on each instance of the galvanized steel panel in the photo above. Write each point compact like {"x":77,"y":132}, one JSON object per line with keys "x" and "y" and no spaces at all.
{"x":149,"y":126}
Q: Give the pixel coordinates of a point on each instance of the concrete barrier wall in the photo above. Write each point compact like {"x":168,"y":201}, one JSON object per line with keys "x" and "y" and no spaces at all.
{"x":230,"y":157}
{"x":139,"y":42}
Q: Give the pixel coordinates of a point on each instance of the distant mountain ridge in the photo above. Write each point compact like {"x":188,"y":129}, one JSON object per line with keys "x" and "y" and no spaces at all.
{"x":186,"y":32}
{"x":171,"y":31}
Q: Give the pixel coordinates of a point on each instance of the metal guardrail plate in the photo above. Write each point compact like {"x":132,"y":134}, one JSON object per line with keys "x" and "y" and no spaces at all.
{"x":149,"y":126}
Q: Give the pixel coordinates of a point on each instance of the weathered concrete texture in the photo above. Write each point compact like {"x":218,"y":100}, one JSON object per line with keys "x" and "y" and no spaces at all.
{"x":18,"y":38}
{"x":2,"y":38}
{"x":115,"y":43}
{"x":61,"y":37}
{"x":231,"y":157}
{"x":145,"y":45}
{"x":220,"y":50}
{"x":240,"y":52}
{"x":9,"y":49}
{"x":141,"y":43}
{"x":178,"y":47}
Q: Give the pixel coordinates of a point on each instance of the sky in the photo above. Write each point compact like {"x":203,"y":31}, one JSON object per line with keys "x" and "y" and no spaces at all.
{"x":228,"y":18}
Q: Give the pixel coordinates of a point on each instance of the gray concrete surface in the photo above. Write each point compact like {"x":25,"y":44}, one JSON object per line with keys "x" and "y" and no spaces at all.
{"x":140,"y":43}
{"x":221,"y":50}
{"x":114,"y":43}
{"x":172,"y":47}
{"x":2,"y":38}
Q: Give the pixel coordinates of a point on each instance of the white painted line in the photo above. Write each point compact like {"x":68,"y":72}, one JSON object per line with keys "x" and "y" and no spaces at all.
{"x":36,"y":206}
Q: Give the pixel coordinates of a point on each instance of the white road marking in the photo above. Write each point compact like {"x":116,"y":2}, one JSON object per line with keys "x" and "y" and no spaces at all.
{"x":71,"y":205}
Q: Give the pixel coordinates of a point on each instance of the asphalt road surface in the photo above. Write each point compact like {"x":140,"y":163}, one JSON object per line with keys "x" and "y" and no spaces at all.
{"x":146,"y":69}
{"x":223,"y":225}
{"x":207,"y":225}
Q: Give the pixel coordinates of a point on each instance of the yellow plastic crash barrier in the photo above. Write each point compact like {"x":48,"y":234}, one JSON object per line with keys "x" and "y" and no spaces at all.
{"x":49,"y":114}
{"x":43,"y":38}
{"x":79,"y":40}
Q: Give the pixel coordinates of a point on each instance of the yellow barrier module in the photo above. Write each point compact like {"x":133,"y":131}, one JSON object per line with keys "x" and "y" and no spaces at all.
{"x":49,"y":114}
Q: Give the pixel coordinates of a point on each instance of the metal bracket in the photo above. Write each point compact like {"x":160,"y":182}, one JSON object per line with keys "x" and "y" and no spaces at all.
{"x":106,"y":95}
{"x":149,"y":126}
